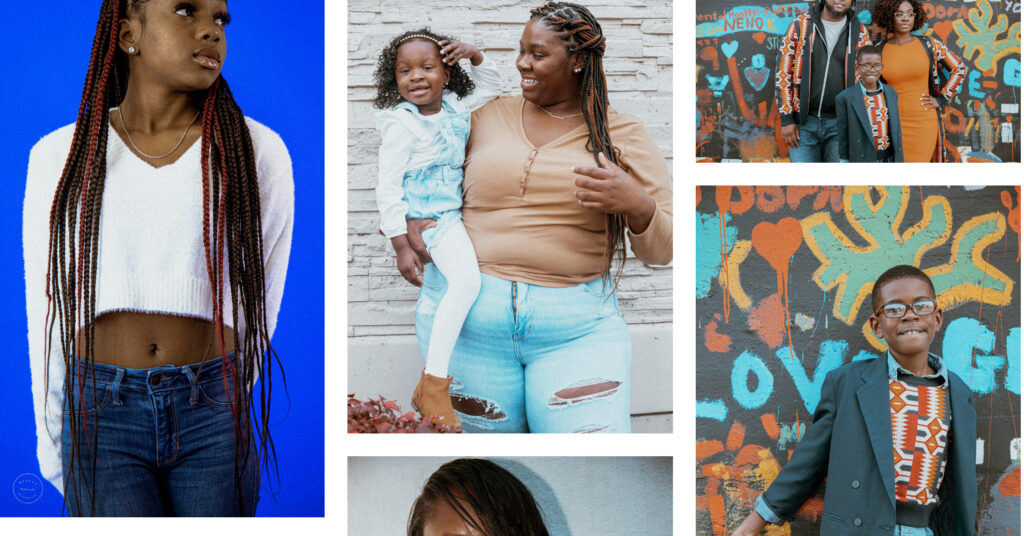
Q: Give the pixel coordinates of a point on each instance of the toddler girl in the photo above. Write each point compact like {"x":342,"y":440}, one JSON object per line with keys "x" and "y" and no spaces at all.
{"x":427,"y":100}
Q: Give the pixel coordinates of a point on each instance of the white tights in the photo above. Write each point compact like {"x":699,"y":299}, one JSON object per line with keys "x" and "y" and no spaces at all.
{"x":455,"y":257}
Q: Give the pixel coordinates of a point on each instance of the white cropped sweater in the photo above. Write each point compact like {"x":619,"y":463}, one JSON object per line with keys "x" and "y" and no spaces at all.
{"x":151,"y":256}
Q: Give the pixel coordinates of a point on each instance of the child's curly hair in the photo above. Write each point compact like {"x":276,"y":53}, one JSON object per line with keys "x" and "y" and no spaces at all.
{"x":884,"y":14}
{"x":384,"y":77}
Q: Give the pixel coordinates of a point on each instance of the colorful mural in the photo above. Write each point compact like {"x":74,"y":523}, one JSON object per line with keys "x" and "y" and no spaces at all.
{"x":783,"y":282}
{"x":737,"y":51}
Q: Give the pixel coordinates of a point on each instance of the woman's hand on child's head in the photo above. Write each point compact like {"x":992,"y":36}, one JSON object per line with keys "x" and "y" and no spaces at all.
{"x":453,"y":51}
{"x":410,"y":266}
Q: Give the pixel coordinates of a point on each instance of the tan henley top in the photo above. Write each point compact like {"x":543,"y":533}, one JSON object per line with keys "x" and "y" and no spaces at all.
{"x":519,"y":205}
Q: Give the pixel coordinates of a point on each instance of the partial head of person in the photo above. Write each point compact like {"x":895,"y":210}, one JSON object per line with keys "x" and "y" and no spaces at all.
{"x":836,"y":9}
{"x":475,"y":497}
{"x":906,"y":314}
{"x":869,"y":65}
{"x":899,"y":16}
{"x":410,"y":68}
{"x":181,"y":46}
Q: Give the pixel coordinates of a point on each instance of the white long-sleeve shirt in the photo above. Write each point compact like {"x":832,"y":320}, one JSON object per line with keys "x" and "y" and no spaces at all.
{"x":151,"y":256}
{"x":411,"y":141}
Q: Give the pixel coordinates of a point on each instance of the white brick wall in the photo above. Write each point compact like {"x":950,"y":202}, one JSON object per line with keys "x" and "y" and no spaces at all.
{"x":638,"y":64}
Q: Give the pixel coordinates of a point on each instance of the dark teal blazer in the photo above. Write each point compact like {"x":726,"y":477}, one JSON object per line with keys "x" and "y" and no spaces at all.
{"x":850,"y":442}
{"x":856,"y":142}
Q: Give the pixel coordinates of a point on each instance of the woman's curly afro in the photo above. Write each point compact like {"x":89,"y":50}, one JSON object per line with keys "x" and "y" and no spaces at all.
{"x":884,"y":14}
{"x":384,"y":77}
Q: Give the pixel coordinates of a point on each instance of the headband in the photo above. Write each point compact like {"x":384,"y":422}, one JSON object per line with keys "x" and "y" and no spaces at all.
{"x":419,"y":36}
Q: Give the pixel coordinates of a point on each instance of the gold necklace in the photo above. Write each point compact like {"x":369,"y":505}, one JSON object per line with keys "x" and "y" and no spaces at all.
{"x":557,"y":116}
{"x":147,"y":155}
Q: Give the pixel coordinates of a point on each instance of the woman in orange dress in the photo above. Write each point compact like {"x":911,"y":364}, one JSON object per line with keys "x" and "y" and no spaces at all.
{"x":911,"y":65}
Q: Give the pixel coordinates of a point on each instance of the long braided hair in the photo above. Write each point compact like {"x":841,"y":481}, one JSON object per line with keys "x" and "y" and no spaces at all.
{"x":582,"y":34}
{"x":231,"y":224}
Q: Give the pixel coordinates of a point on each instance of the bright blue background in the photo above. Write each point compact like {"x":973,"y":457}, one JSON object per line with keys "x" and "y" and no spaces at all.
{"x":275,"y":67}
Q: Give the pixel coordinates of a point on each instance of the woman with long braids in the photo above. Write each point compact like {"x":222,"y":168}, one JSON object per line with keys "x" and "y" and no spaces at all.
{"x":554,"y":181}
{"x":156,"y":231}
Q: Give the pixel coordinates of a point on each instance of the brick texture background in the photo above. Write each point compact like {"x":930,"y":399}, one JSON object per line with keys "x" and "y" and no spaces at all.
{"x":638,"y":65}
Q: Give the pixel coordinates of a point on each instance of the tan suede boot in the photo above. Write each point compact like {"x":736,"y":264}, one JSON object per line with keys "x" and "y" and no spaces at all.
{"x":431,"y":399}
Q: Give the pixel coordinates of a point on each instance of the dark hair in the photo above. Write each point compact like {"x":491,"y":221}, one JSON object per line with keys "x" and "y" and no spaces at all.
{"x":867,"y":49}
{"x":231,"y":223}
{"x":384,"y":77}
{"x":901,"y":271}
{"x":583,"y":35}
{"x":486,"y":496}
{"x":884,"y":13}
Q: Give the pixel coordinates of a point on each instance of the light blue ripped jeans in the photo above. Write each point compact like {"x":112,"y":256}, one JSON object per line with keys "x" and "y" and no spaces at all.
{"x":536,"y":359}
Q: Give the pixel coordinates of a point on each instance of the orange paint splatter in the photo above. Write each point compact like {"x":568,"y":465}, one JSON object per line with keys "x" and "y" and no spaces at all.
{"x":777,"y":243}
{"x":764,"y":319}
{"x":698,"y":196}
{"x":736,"y":435}
{"x":759,"y":37}
{"x":706,"y":449}
{"x":760,"y":148}
{"x":1010,"y":484}
{"x":771,"y":426}
{"x":794,"y":194}
{"x":770,"y":198}
{"x":714,"y":341}
{"x":723,"y":197}
{"x":1013,"y":217}
{"x":831,"y":195}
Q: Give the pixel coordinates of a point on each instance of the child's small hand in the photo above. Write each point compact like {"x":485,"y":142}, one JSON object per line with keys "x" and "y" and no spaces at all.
{"x":410,"y":266}
{"x":453,"y":51}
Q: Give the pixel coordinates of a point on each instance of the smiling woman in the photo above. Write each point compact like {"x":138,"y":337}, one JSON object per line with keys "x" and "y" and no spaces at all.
{"x":155,"y":259}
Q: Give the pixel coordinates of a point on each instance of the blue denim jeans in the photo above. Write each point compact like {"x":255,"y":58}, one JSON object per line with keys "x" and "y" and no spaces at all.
{"x":819,"y":141}
{"x":156,"y":442}
{"x":536,"y":359}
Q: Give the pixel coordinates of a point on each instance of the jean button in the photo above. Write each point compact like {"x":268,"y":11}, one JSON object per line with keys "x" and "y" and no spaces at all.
{"x":154,"y":380}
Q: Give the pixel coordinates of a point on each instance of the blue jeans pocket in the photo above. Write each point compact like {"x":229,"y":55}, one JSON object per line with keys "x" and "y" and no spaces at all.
{"x":214,"y":394}
{"x":90,"y":401}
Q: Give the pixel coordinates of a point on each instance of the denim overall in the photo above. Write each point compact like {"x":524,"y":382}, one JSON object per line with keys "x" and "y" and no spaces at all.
{"x":435,"y":191}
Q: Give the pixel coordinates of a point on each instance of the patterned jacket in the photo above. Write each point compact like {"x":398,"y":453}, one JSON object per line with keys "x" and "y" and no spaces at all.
{"x":798,"y":63}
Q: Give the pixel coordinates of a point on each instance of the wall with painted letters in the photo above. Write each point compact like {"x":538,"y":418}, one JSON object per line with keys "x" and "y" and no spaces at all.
{"x":783,"y":282}
{"x":737,"y":51}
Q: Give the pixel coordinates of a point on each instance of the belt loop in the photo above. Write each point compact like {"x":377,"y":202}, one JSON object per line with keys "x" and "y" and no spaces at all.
{"x":115,"y":388}
{"x":192,"y":379}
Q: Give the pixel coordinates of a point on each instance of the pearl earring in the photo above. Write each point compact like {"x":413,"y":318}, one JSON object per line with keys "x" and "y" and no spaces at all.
{"x":131,"y":50}
{"x":577,"y":71}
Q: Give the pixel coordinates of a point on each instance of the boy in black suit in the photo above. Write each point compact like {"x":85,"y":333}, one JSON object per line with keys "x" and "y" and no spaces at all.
{"x":867,"y":116}
{"x":895,"y":435}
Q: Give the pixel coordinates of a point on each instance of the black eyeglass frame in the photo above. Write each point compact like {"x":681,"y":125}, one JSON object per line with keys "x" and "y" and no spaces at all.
{"x":914,"y":306}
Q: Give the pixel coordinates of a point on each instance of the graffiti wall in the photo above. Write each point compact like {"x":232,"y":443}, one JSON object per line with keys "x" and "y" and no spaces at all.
{"x":784,"y":276}
{"x":737,"y":51}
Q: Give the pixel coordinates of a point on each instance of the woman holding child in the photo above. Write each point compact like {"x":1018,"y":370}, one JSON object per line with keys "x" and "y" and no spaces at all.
{"x":554,"y":181}
{"x":912,"y":66}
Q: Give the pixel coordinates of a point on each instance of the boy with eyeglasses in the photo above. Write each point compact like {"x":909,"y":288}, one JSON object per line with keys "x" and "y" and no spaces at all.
{"x":867,"y":116}
{"x":894,"y":435}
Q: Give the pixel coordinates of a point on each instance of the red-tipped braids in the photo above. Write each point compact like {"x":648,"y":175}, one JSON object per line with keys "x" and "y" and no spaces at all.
{"x":232,"y":242}
{"x":583,"y":35}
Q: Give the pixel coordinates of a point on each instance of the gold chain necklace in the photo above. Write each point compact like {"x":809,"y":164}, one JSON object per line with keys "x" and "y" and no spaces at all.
{"x":557,"y":116}
{"x":147,"y":155}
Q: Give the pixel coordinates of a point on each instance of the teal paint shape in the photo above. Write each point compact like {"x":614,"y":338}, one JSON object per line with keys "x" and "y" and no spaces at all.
{"x":712,"y":409}
{"x":1012,"y":382}
{"x":709,"y":249}
{"x":830,"y":356}
{"x":744,"y":364}
{"x":962,"y":337}
{"x":863,"y":355}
